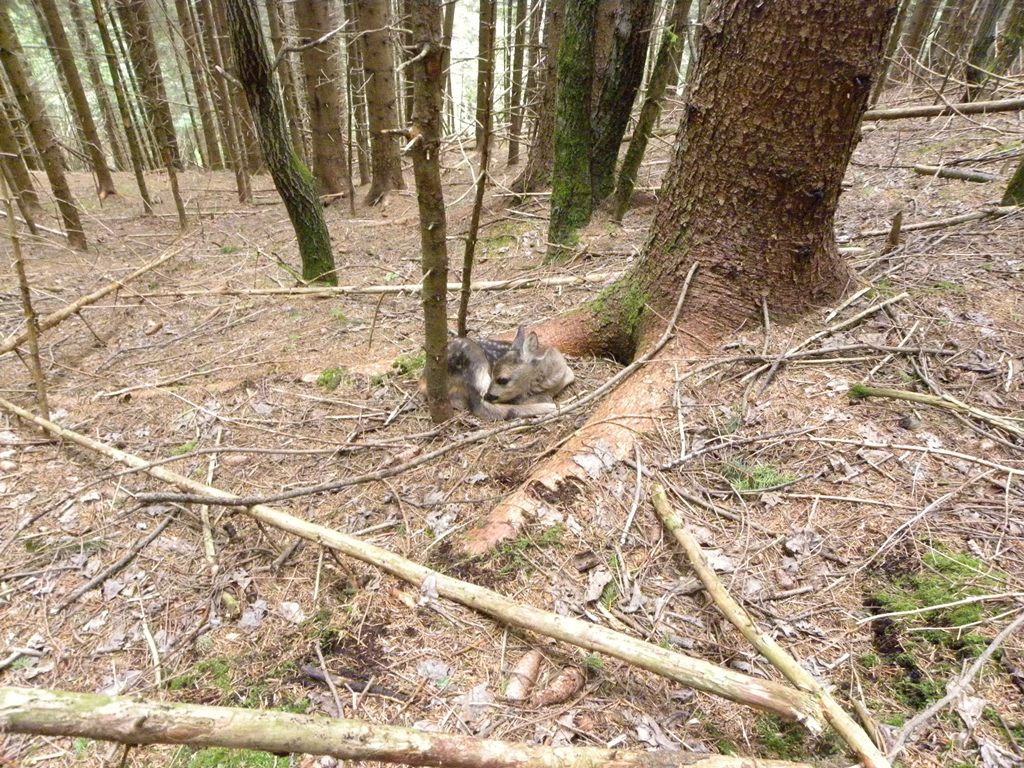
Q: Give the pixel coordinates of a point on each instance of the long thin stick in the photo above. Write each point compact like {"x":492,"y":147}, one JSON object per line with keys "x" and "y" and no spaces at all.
{"x":125,"y":720}
{"x":855,"y":736}
{"x":695,"y":673}
{"x":939,"y":110}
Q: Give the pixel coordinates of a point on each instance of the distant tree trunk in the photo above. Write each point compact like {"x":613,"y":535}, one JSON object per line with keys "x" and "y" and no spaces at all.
{"x":293,"y":181}
{"x":622,"y":81}
{"x":31,"y":104}
{"x":357,"y":94}
{"x":15,"y":168}
{"x":533,"y":58}
{"x":248,"y":143}
{"x":537,"y":173}
{"x":228,"y":118}
{"x":1015,"y":189}
{"x":22,"y":135}
{"x":516,"y":91}
{"x":571,"y":202}
{"x":895,"y":35}
{"x":404,"y":39}
{"x":141,"y":49}
{"x":958,"y":30}
{"x":672,"y":40}
{"x":133,"y":96}
{"x":131,"y":135}
{"x":175,"y":38}
{"x":296,"y":126}
{"x":313,"y":20}
{"x":449,"y":29}
{"x":604,"y":42}
{"x":485,"y":38}
{"x":83,"y":114}
{"x":428,"y":78}
{"x":918,"y":27}
{"x":98,"y":86}
{"x":977,"y":58}
{"x":197,"y":70}
{"x":1011,"y":39}
{"x":381,"y":98}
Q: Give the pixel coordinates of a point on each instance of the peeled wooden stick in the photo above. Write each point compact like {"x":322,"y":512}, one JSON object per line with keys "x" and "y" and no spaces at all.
{"x":696,"y":673}
{"x":938,"y":110}
{"x":127,"y":721}
{"x":55,"y":318}
{"x":855,"y":736}
{"x":962,"y":174}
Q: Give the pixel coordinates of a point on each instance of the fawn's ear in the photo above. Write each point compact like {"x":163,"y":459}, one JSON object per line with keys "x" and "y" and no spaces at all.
{"x":532,"y":346}
{"x":520,"y":339}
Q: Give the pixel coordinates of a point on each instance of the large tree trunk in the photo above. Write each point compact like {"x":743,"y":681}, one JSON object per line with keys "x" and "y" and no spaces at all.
{"x":977,"y":57}
{"x":621,"y":82}
{"x":571,"y":190}
{"x":957,"y":32}
{"x":142,"y":50}
{"x":772,"y":119}
{"x":381,"y":98}
{"x":98,"y":86}
{"x":292,"y":179}
{"x":1011,"y":39}
{"x":278,"y":26}
{"x":425,"y":126}
{"x":31,"y":103}
{"x":313,"y":20}
{"x":198,"y":71}
{"x":604,"y":43}
{"x":672,"y":40}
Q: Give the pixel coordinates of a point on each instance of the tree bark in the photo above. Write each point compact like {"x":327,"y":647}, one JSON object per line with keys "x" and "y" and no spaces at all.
{"x":957,"y":31}
{"x":293,"y":181}
{"x":537,"y":173}
{"x":604,"y":44}
{"x":31,"y":104}
{"x":138,"y":29}
{"x":83,"y":114}
{"x":772,"y":117}
{"x":296,"y":126}
{"x":425,"y":131}
{"x":357,"y":95}
{"x":449,"y":29}
{"x":1015,"y":189}
{"x":672,"y":40}
{"x":485,"y":36}
{"x":516,"y":93}
{"x":98,"y":85}
{"x":248,"y":141}
{"x":1011,"y":39}
{"x":977,"y":57}
{"x":198,"y":71}
{"x":895,"y":35}
{"x":381,"y":98}
{"x":571,"y":202}
{"x":14,"y":165}
{"x":133,"y":94}
{"x":622,"y":81}
{"x":918,"y":27}
{"x":320,"y":65}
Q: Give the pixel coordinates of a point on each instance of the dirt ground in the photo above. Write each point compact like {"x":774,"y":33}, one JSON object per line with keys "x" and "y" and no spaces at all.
{"x":819,"y":511}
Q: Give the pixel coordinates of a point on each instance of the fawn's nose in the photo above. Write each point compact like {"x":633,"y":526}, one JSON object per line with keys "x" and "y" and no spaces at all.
{"x":490,"y":398}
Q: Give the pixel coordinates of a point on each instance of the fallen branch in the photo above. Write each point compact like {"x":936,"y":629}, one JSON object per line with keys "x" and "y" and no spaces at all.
{"x":696,"y":673}
{"x":408,"y":288}
{"x":962,"y":174}
{"x":854,"y":736}
{"x":939,"y":110}
{"x":946,"y":402}
{"x":985,"y":213}
{"x":55,"y":318}
{"x":126,"y":721}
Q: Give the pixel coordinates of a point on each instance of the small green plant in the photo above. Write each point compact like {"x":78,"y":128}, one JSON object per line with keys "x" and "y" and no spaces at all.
{"x":332,"y":378}
{"x":757,"y":477}
{"x":410,"y":364}
{"x":511,"y":555}
{"x":610,"y":595}
{"x":593,"y":663}
{"x":219,"y":757}
{"x":227,"y":250}
{"x":779,"y":738}
{"x":81,"y":747}
{"x":184,"y":448}
{"x":340,"y":316}
{"x":214,"y":672}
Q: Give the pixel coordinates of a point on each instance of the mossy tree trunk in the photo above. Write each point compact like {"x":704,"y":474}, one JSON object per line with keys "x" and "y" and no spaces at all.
{"x":537,"y":173}
{"x":135,"y":149}
{"x":381,"y":97}
{"x":293,"y":181}
{"x":324,"y":88}
{"x":198,"y":72}
{"x":977,"y":57}
{"x":1015,"y":189}
{"x":1011,"y":39}
{"x":625,"y":71}
{"x":571,"y":189}
{"x":142,"y":50}
{"x":428,"y":109}
{"x":31,"y":104}
{"x":672,"y":39}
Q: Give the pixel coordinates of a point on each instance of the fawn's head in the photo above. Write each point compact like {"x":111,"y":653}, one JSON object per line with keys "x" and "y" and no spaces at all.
{"x":513,"y":373}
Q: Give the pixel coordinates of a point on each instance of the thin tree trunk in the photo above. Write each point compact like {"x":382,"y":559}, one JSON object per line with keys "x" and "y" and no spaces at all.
{"x":11,"y":57}
{"x":672,"y":40}
{"x":99,"y":87}
{"x":428,"y":107}
{"x":918,"y":27}
{"x":320,"y":65}
{"x":293,"y":181}
{"x":537,"y":173}
{"x":449,"y":29}
{"x":958,"y":31}
{"x":14,"y":164}
{"x":485,"y":38}
{"x":621,"y":83}
{"x":977,"y":58}
{"x":229,"y":119}
{"x":133,"y":94}
{"x":175,"y":37}
{"x":604,"y":42}
{"x":533,"y":58}
{"x":198,"y":71}
{"x":895,"y":35}
{"x":22,"y":135}
{"x":1011,"y":39}
{"x":357,"y":97}
{"x":404,"y":39}
{"x":571,"y":201}
{"x":381,"y":98}
{"x":296,"y":126}
{"x":139,"y":30}
{"x":516,"y":89}
{"x":248,"y":143}
{"x":1015,"y":189}
{"x":131,"y":135}
{"x":83,"y":114}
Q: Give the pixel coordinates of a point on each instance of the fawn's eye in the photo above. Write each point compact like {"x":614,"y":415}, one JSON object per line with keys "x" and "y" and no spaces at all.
{"x":502,"y":381}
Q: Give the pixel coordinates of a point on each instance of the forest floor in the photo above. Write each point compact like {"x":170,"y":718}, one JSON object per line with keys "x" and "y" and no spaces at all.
{"x":837,"y":509}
